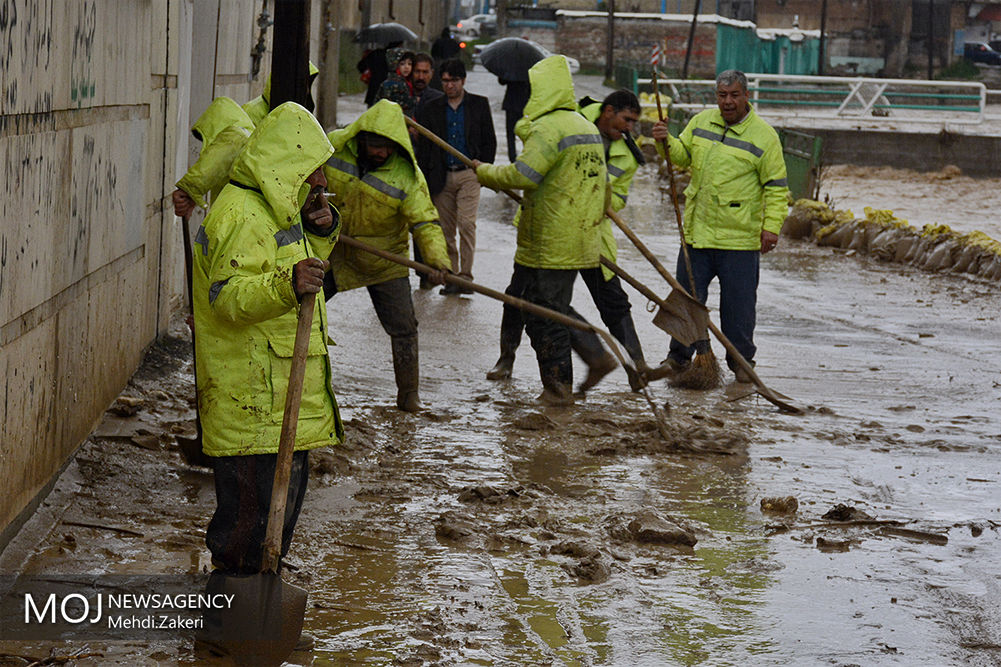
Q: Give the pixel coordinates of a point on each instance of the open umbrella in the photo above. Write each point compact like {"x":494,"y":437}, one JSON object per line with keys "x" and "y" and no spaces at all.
{"x":511,"y":57}
{"x":386,"y":33}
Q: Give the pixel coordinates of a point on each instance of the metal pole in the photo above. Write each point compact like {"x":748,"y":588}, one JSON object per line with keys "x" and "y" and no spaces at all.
{"x":290,"y":53}
{"x":823,"y":28}
{"x":691,"y":38}
{"x":610,"y":48}
{"x":931,"y":37}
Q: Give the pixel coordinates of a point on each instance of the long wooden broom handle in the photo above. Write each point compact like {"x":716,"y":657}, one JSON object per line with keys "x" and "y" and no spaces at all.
{"x":673,"y":189}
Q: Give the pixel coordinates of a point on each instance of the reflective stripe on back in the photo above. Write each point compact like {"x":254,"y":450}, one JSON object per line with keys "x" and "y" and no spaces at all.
{"x":578,"y":140}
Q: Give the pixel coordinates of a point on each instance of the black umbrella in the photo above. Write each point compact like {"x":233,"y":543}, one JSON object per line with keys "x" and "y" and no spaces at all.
{"x":511,"y":57}
{"x":386,"y":33}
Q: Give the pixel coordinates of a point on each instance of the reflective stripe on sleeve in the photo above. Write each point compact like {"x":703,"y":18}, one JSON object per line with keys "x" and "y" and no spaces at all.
{"x":289,"y":236}
{"x":528,"y":172}
{"x":777,"y":183}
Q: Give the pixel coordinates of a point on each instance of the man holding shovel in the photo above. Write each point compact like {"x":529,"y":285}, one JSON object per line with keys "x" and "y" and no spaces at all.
{"x":254,"y":259}
{"x":384,"y":199}
{"x":614,"y":117}
{"x":734,"y":209}
{"x":562,"y":173}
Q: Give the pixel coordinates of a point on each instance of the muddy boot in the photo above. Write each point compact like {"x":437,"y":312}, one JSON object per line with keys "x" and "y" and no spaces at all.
{"x":502,"y":369}
{"x":557,"y":379}
{"x":600,"y":361}
{"x":407,"y":373}
{"x":625,"y":332}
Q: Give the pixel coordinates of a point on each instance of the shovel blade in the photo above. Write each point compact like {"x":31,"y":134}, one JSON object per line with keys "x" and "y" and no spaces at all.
{"x":263,"y":621}
{"x":686,"y":320}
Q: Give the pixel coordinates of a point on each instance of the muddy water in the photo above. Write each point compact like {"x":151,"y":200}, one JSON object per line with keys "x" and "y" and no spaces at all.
{"x":492,"y":531}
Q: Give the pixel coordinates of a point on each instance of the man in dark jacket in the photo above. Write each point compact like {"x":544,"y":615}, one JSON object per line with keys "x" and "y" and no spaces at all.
{"x":463,"y":120}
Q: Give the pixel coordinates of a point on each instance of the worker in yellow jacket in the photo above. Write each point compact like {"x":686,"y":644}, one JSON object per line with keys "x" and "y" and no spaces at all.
{"x":735,"y":205}
{"x":384,"y":199}
{"x":562,"y":173}
{"x":255,"y":256}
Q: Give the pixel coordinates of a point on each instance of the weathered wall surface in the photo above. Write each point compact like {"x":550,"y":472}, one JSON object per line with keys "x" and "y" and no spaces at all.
{"x":94,"y":111}
{"x":585,"y":38}
{"x":83,"y":97}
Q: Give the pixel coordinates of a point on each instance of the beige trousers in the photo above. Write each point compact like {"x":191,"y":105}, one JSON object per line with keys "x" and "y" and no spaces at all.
{"x":457,"y":204}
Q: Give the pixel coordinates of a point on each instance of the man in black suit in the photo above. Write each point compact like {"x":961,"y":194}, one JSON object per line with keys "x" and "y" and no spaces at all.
{"x":463,"y":120}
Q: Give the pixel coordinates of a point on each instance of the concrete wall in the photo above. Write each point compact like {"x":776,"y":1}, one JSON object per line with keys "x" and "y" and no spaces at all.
{"x":585,"y":38}
{"x":94,"y":111}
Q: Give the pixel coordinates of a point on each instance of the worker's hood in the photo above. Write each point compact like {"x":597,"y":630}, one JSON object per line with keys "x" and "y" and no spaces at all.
{"x":287,"y":146}
{"x":313,"y":71}
{"x":384,"y":118}
{"x":552,"y":87}
{"x":219,"y":115}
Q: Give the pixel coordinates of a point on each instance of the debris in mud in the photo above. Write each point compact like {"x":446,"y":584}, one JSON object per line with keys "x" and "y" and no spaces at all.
{"x":126,"y":406}
{"x":590,"y":566}
{"x":534,"y":421}
{"x":454,"y":526}
{"x":919,"y":535}
{"x":842,"y":512}
{"x":651,"y":527}
{"x":491,"y":495}
{"x":780,"y":504}
{"x":834,"y":546}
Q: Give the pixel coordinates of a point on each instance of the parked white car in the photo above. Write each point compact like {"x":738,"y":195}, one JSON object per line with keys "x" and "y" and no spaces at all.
{"x":475,"y":25}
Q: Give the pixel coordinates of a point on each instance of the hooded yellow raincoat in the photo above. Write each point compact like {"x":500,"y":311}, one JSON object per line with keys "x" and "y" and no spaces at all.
{"x":223,"y":129}
{"x":738,"y":184}
{"x":562,"y":172}
{"x":622,"y":166}
{"x":245,"y":306}
{"x":384,"y":205}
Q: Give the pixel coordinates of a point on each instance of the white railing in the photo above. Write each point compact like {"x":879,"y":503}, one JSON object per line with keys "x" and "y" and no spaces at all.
{"x":846,"y":98}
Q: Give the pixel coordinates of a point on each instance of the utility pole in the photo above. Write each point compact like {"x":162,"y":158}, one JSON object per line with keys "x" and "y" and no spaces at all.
{"x":290,"y":53}
{"x":610,"y":49}
{"x":931,"y":38}
{"x":691,"y":38}
{"x":823,"y":27}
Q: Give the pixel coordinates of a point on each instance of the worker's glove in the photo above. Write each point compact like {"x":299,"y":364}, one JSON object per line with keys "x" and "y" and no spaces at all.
{"x":183,"y":203}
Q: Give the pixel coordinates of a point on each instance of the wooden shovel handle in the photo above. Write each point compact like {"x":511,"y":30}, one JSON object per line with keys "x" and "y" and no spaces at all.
{"x":286,"y":442}
{"x":673,"y":188}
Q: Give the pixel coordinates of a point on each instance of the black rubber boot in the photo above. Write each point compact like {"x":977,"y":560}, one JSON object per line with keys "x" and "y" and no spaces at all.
{"x":600,"y":361}
{"x":407,"y":371}
{"x":505,"y":364}
{"x":625,"y":332}
{"x":557,"y":379}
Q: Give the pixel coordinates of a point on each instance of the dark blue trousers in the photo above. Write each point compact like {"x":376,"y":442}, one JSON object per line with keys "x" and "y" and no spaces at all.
{"x":737,"y":271}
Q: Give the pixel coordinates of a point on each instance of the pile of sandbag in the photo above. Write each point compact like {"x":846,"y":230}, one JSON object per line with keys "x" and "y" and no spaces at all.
{"x":886,"y":237}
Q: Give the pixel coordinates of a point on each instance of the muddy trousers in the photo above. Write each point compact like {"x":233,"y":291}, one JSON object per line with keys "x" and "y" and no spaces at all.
{"x":553,"y":289}
{"x":737,"y":271}
{"x":613,"y":307}
{"x":395,"y":310}
{"x":236,"y":533}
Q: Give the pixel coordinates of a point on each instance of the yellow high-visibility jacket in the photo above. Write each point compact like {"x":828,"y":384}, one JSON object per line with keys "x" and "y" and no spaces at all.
{"x":738,"y":184}
{"x":223,"y":129}
{"x":244,"y":302}
{"x":381,"y":207}
{"x":562,"y":172}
